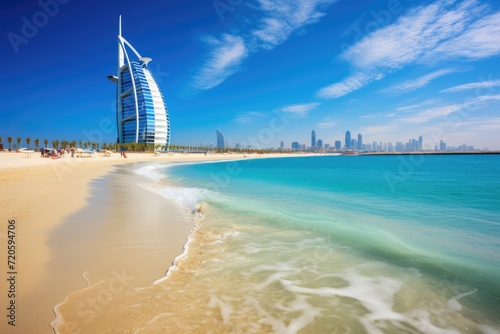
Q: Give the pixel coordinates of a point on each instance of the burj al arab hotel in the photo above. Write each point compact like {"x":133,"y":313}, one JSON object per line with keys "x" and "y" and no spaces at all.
{"x":141,"y":111}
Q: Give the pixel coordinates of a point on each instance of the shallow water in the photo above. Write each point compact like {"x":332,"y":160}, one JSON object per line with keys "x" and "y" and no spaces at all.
{"x":325,"y":244}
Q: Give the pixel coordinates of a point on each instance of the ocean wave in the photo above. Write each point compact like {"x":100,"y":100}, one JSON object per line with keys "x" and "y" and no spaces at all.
{"x":185,"y":197}
{"x":151,"y":172}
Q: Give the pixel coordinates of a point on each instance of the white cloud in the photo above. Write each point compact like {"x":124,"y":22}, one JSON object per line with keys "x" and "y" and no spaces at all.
{"x":432,"y":113}
{"x":224,"y":60}
{"x":484,"y":98}
{"x":437,"y":29}
{"x":473,"y":85}
{"x":300,"y":110}
{"x":411,"y":85}
{"x":280,"y":20}
{"x":249,"y":117}
{"x":428,"y":34}
{"x":350,"y":84}
{"x":327,"y":123}
{"x":479,"y":40}
{"x":416,"y":105}
{"x":490,"y":124}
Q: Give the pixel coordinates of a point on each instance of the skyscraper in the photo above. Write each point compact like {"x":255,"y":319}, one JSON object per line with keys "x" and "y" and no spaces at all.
{"x":442,"y":145}
{"x":141,"y":111}
{"x":221,"y":142}
{"x":313,"y":139}
{"x":338,"y":145}
{"x":348,"y":140}
{"x":360,"y":142}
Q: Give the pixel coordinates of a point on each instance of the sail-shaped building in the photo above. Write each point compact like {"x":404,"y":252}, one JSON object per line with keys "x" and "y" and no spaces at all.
{"x":141,"y":111}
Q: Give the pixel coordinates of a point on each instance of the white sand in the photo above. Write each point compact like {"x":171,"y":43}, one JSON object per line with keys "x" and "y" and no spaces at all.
{"x":40,"y":194}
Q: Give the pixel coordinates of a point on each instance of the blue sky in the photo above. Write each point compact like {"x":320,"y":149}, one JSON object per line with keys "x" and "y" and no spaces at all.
{"x":260,"y":70}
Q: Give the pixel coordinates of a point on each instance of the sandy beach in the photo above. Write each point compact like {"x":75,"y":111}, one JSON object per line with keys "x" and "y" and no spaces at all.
{"x":58,"y":251}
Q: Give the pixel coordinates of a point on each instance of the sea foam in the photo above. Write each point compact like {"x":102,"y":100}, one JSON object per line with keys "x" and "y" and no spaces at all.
{"x":186,"y":197}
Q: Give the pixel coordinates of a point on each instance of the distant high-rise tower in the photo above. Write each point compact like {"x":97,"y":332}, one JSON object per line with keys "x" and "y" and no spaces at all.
{"x":348,"y":140}
{"x":320,"y":143}
{"x":221,"y":142}
{"x":360,"y":142}
{"x":442,"y":146}
{"x":338,"y":145}
{"x":313,"y":139}
{"x":141,"y":111}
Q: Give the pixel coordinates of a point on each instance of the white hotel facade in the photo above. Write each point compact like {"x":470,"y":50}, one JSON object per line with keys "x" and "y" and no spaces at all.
{"x":141,"y":111}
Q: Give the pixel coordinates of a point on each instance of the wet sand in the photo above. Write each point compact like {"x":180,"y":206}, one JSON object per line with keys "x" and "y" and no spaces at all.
{"x":75,"y":228}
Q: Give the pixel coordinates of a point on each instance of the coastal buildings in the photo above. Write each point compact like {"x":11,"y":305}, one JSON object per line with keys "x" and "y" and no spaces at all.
{"x":141,"y":111}
{"x":348,"y":140}
{"x":442,"y":146}
{"x":221,"y":141}
{"x":338,"y":145}
{"x":355,"y":146}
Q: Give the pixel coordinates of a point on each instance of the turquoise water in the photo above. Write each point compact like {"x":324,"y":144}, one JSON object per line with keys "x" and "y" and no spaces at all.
{"x":376,"y":244}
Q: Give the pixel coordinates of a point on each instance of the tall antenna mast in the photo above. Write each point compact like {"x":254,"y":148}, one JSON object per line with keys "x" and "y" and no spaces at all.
{"x":121,"y":57}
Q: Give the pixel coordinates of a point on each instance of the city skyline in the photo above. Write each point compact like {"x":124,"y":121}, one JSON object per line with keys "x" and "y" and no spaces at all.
{"x":318,"y":145}
{"x":263,"y":71}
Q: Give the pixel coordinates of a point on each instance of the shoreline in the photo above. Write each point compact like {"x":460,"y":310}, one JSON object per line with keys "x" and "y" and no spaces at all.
{"x":97,"y":257}
{"x":130,"y":238}
{"x":41,"y":195}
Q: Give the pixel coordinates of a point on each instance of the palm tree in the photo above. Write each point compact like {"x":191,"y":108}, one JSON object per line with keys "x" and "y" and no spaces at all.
{"x":37,"y":141}
{"x":9,"y":139}
{"x":19,"y":142}
{"x":45,"y":142}
{"x":28,"y":141}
